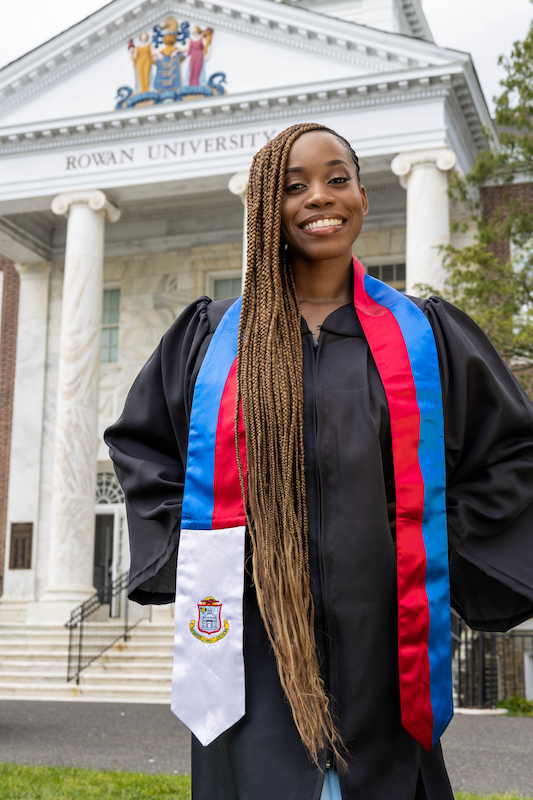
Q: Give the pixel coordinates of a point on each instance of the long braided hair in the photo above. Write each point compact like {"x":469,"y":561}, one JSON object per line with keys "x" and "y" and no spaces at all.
{"x":270,"y":388}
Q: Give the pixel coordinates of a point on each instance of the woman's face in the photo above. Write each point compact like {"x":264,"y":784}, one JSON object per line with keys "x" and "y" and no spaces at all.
{"x":323,"y":206}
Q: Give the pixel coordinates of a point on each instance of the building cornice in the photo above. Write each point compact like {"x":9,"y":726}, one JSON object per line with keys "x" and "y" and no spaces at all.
{"x":282,"y":24}
{"x":412,"y":11}
{"x":221,"y":112}
{"x":414,"y":14}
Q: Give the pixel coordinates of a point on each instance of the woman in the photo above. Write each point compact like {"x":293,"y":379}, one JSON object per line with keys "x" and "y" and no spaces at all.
{"x":198,"y":46}
{"x":346,"y":649}
{"x":143,"y":58}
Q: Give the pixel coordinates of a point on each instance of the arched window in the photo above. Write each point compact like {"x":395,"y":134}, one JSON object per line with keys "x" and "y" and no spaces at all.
{"x":108,"y":489}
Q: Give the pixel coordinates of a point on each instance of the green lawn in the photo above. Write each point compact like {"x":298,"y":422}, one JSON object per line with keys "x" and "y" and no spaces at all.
{"x":20,"y":782}
{"x":517,"y":706}
{"x":468,"y":796}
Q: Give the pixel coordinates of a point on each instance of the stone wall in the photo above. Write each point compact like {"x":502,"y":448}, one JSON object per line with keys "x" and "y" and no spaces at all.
{"x":154,"y":290}
{"x":8,"y":351}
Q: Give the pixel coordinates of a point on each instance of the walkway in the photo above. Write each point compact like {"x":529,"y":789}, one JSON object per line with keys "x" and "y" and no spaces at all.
{"x":485,"y":755}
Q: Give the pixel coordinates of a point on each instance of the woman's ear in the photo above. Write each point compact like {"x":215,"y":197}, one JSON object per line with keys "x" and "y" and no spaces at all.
{"x":364,"y":199}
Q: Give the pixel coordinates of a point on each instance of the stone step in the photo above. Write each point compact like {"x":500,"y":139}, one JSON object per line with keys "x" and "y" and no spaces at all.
{"x":33,"y":663}
{"x":28,"y":647}
{"x":59,"y":666}
{"x":36,"y":638}
{"x":46,"y":676}
{"x":70,"y":691}
{"x":52,"y":675}
{"x":135,"y":682}
{"x":24,"y":631}
{"x":112,"y":655}
{"x":144,"y":641}
{"x":16,"y":665}
{"x":133,"y":661}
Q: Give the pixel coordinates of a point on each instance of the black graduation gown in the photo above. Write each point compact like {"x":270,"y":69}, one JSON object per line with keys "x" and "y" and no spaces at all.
{"x":489,"y":453}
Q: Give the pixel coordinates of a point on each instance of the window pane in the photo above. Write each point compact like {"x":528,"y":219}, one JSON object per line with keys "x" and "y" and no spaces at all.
{"x":109,"y":352}
{"x":400,"y":272}
{"x":112,"y":317}
{"x":111,"y":309}
{"x":373,"y":271}
{"x":235,"y":286}
{"x":387,"y":273}
{"x":110,"y":320}
{"x":221,"y":288}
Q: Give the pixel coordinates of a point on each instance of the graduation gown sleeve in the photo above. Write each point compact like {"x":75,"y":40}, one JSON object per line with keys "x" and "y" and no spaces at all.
{"x":488,"y":422}
{"x":148,"y":446}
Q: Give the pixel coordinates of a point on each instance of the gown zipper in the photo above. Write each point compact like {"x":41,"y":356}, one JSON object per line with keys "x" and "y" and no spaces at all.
{"x":316,"y":348}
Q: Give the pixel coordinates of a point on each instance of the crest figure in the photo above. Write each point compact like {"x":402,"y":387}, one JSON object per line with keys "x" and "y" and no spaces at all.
{"x":171,"y":65}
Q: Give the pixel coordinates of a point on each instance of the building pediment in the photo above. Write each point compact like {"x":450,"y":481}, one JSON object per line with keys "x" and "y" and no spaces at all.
{"x":115,"y":56}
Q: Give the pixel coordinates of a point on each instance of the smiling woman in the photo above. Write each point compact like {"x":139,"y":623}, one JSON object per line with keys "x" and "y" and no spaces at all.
{"x":322,"y":214}
{"x":329,"y":463}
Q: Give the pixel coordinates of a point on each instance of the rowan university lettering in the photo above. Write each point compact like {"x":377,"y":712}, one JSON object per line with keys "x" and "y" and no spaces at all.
{"x":103,"y":158}
{"x":173,"y":150}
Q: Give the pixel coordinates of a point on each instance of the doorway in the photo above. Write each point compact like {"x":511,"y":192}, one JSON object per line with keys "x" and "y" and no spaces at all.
{"x":111,"y":547}
{"x":103,"y":555}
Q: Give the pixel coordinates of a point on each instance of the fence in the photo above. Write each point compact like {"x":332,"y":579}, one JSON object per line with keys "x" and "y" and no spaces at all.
{"x":100,"y":622}
{"x":487,"y":667}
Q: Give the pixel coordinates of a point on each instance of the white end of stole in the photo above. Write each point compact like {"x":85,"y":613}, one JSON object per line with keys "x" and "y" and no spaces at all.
{"x":208,"y":675}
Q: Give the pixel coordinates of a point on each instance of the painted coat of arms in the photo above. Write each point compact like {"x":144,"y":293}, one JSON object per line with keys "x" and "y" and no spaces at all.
{"x":208,"y":627}
{"x":170,"y":65}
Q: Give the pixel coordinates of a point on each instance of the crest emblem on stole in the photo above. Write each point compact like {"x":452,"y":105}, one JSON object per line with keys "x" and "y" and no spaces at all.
{"x":208,"y":627}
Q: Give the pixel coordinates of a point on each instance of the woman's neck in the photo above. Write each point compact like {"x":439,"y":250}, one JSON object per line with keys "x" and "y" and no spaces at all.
{"x":321,"y":288}
{"x":323,"y":282}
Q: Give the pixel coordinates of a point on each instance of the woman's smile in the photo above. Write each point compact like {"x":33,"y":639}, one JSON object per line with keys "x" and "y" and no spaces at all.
{"x":323,"y":204}
{"x":322,"y":226}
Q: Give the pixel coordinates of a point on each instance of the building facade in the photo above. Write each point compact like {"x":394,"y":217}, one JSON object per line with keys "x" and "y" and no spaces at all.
{"x":124,"y":149}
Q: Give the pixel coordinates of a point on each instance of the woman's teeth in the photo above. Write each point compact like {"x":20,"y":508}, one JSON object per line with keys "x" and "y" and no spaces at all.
{"x":321,"y":223}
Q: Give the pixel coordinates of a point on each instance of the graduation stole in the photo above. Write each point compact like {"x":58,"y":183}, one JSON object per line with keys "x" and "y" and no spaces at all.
{"x":208,"y":678}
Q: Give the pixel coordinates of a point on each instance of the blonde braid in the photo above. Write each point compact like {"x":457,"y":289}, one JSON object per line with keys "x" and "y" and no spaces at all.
{"x":270,"y":386}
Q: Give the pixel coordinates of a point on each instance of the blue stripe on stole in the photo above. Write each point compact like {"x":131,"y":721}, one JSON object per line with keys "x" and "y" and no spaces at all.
{"x":198,"y":501}
{"x":422,"y":350}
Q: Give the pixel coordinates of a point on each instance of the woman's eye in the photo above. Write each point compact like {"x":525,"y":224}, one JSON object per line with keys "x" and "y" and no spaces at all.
{"x":340,"y":179}
{"x":293,"y":186}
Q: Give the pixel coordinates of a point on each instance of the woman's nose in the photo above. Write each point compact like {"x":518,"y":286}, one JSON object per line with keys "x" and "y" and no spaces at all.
{"x":319,"y":195}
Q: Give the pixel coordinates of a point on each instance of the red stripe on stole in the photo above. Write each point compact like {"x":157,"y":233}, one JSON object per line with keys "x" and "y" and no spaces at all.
{"x":390,"y":354}
{"x":228,"y":510}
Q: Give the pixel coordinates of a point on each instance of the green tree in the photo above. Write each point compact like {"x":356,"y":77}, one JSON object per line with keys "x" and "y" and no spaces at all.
{"x":498,"y":292}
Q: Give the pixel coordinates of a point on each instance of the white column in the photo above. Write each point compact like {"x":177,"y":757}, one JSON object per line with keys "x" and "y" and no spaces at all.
{"x":70,"y":576}
{"x":424,"y":174}
{"x":238,"y":184}
{"x":27,"y":432}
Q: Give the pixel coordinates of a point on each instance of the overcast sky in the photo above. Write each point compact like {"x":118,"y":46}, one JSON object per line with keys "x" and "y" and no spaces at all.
{"x":484,"y":28}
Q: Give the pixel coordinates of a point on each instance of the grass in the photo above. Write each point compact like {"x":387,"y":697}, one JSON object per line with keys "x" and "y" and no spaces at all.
{"x":517,"y":706}
{"x":21,"y":782}
{"x":468,"y":796}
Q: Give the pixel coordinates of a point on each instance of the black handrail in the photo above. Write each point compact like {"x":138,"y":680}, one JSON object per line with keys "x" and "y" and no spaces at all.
{"x":101,"y":621}
{"x":488,"y":667}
